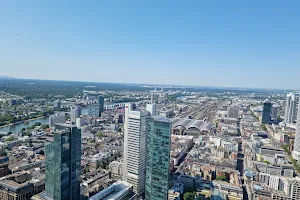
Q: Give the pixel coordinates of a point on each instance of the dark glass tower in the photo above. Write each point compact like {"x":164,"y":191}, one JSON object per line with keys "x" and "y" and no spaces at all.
{"x":158,"y":158}
{"x":63,"y":163}
{"x":266,"y":113}
{"x":101,"y":103}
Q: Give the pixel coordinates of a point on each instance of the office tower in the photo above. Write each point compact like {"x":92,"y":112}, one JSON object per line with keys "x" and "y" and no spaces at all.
{"x":101,"y":103}
{"x":75,"y":113}
{"x":63,"y":160}
{"x":233,"y":112}
{"x":151,"y":108}
{"x":58,"y":118}
{"x":158,"y":158}
{"x":296,"y":152}
{"x":94,"y":110}
{"x":57,"y":104}
{"x":134,"y":148}
{"x":266,"y":113}
{"x":291,"y":108}
{"x":274,"y":113}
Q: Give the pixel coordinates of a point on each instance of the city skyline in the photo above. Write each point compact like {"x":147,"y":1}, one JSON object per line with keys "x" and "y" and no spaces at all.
{"x":237,"y":44}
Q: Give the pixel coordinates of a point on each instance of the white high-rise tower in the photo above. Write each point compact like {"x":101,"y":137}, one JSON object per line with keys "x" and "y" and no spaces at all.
{"x":296,"y":152}
{"x":135,"y":148}
{"x":291,"y":108}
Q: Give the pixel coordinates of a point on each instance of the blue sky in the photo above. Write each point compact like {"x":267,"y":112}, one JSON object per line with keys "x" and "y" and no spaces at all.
{"x":203,"y":43}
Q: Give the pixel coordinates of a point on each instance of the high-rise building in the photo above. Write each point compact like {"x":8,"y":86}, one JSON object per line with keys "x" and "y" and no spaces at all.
{"x":75,"y":113}
{"x":63,"y":163}
{"x":57,"y":104}
{"x":151,"y":108}
{"x":233,"y":112}
{"x":291,"y":108}
{"x":58,"y":118}
{"x":274,"y":113}
{"x":94,"y":110}
{"x":296,"y":151}
{"x":135,"y":148}
{"x":266,"y":113}
{"x":101,"y":103}
{"x":157,"y":158}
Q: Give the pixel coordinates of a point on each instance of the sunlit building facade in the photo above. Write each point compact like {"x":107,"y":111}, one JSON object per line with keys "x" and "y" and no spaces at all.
{"x":157,"y":158}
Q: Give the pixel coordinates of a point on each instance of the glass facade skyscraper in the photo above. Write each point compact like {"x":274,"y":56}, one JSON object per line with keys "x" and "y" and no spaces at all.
{"x":266,"y":113}
{"x":157,"y":158}
{"x":63,"y":163}
{"x":101,"y":103}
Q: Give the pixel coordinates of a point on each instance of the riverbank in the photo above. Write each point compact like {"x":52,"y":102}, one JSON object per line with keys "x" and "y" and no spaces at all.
{"x":20,"y":122}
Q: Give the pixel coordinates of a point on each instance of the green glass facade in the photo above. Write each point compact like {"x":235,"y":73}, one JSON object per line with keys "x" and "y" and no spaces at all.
{"x":101,"y":103}
{"x":158,"y":158}
{"x":63,"y":163}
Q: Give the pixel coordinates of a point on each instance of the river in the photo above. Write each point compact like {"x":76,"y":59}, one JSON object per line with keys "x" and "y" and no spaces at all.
{"x":18,"y":127}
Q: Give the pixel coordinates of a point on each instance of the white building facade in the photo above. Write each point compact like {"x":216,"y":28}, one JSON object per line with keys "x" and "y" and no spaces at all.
{"x":135,"y":148}
{"x":291,"y":108}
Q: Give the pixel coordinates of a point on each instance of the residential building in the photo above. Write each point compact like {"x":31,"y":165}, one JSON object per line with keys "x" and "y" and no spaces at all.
{"x":295,"y":189}
{"x":11,"y":190}
{"x":116,"y":168}
{"x":4,"y":166}
{"x":135,"y":147}
{"x":158,"y":158}
{"x":266,"y":113}
{"x":291,"y":108}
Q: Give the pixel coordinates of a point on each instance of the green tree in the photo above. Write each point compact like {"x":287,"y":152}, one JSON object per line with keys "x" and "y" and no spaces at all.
{"x":9,"y":139}
{"x":263,"y":127}
{"x":189,"y":195}
{"x":99,"y":134}
{"x":44,"y":126}
{"x":267,"y":162}
{"x":221,"y":178}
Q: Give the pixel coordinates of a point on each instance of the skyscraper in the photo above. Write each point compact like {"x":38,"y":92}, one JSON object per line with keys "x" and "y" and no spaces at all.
{"x":291,"y":108}
{"x":151,"y":108}
{"x":274,"y":113}
{"x":94,"y":110}
{"x":75,"y":113}
{"x":296,"y":152}
{"x":63,"y":162}
{"x":134,"y":148}
{"x":101,"y":103}
{"x":157,"y":158}
{"x":266,"y":113}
